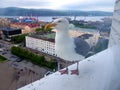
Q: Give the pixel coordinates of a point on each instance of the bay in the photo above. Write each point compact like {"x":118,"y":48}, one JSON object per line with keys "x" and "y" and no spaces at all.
{"x":50,"y":18}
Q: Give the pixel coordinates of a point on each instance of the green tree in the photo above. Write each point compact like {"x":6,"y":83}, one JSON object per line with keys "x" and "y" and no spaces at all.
{"x":43,"y":30}
{"x":2,"y":59}
{"x":34,"y":58}
{"x":18,"y":39}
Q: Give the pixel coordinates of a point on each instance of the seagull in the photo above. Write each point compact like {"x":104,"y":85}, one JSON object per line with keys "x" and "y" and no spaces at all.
{"x":67,"y":47}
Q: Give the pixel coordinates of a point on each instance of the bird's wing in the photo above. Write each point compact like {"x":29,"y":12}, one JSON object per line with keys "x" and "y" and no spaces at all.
{"x":81,"y":46}
{"x":85,"y":36}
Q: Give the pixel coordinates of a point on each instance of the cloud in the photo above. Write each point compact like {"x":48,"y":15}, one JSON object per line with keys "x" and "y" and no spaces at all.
{"x":12,"y":3}
{"x":58,"y":4}
{"x":87,"y":5}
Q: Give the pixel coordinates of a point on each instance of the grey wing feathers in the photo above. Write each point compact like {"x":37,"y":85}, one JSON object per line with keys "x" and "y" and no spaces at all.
{"x":81,"y":46}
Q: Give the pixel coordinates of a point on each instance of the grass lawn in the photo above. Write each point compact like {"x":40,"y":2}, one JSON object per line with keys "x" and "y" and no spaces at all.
{"x":2,"y":59}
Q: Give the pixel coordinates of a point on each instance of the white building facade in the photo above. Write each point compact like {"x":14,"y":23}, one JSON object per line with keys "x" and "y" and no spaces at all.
{"x":40,"y":45}
{"x":115,"y":28}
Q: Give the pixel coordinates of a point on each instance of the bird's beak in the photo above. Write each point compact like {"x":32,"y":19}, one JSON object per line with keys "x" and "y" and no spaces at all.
{"x":47,"y":26}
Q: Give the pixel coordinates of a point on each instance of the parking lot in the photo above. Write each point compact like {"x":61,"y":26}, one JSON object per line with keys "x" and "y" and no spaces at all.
{"x":25,"y":69}
{"x":14,"y":60}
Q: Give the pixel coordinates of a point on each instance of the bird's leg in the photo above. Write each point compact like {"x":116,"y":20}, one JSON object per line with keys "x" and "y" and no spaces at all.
{"x":65,"y":71}
{"x":76,"y":70}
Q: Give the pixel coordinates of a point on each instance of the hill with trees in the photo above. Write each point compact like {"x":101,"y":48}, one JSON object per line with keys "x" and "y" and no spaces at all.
{"x":15,"y":11}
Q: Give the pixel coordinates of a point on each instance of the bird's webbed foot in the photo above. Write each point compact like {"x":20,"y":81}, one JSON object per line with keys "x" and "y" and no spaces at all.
{"x":76,"y":72}
{"x":64,"y":71}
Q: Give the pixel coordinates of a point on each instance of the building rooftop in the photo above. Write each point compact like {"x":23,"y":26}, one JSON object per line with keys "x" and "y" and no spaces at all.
{"x":47,"y":36}
{"x":10,"y":29}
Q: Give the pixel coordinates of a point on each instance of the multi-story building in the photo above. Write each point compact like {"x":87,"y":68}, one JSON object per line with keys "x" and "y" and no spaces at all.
{"x":40,"y":45}
{"x":8,"y":32}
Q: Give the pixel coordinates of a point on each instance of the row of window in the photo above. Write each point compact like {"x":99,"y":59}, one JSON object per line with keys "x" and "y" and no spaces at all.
{"x":39,"y":42}
{"x":40,"y":45}
{"x":47,"y":51}
{"x":44,"y":47}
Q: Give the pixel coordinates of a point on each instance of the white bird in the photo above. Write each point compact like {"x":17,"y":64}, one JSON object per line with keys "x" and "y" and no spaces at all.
{"x":66,"y":47}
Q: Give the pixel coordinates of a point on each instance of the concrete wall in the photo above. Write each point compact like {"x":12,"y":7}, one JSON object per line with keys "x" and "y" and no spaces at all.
{"x":115,"y":28}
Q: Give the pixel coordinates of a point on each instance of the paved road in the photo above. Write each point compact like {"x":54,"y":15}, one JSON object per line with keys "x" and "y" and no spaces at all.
{"x":20,"y":65}
{"x":30,"y":71}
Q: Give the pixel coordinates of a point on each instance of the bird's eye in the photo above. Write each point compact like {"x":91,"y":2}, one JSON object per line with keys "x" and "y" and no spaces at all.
{"x":59,"y":21}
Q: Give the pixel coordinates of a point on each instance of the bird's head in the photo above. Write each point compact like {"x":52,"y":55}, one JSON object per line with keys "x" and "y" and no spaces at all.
{"x":59,"y":24}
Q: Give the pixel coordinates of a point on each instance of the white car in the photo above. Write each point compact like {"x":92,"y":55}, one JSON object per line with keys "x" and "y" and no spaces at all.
{"x":48,"y":73}
{"x":1,"y":50}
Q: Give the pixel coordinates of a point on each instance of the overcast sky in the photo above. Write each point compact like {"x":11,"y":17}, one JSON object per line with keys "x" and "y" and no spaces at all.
{"x":102,"y":5}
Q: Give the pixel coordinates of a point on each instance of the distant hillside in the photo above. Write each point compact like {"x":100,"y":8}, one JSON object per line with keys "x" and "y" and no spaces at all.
{"x":14,"y":11}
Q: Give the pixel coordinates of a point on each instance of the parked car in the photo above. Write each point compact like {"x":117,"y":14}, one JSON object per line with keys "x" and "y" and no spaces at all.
{"x":1,"y":50}
{"x":19,"y":59}
{"x":4,"y":53}
{"x":13,"y":56}
{"x":48,"y":73}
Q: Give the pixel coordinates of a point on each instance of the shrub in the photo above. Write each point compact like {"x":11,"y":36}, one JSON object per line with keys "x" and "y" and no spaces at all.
{"x":2,"y":59}
{"x":18,"y":39}
{"x":34,"y":58}
{"x":43,"y":30}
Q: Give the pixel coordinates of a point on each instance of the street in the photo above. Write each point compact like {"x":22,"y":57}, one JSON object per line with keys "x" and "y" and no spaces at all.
{"x":30,"y":72}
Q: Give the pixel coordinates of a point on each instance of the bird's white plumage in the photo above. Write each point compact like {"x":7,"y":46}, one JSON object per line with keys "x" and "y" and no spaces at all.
{"x":98,"y":72}
{"x":64,"y":44}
